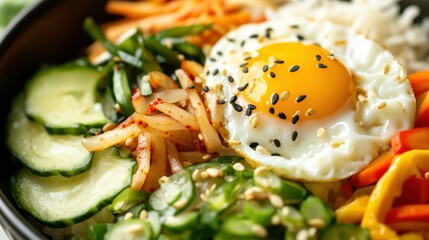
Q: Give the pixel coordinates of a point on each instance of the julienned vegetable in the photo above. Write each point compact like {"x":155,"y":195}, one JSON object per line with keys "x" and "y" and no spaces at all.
{"x":223,"y":199}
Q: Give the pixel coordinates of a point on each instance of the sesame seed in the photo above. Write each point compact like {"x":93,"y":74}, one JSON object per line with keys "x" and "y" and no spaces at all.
{"x":294,"y":135}
{"x":233,"y":99}
{"x":321,"y":65}
{"x":191,"y":86}
{"x":212,"y":59}
{"x":321,"y":132}
{"x":215,"y":72}
{"x":238,"y":167}
{"x":294,"y":68}
{"x":300,"y":98}
{"x":276,"y":200}
{"x":259,"y":231}
{"x":244,"y":64}
{"x":381,"y":105}
{"x":272,"y":110}
{"x":253,"y":145}
{"x":275,"y":154}
{"x":386,"y":69}
{"x":163,"y":179}
{"x":196,"y":175}
{"x":279,"y":61}
{"x":310,"y":112}
{"x":247,"y":58}
{"x":233,"y":142}
{"x":253,"y":36}
{"x":206,"y":88}
{"x":260,"y":170}
{"x":214,"y":172}
{"x":204,"y":197}
{"x":295,"y":119}
{"x":242,"y":88}
{"x":275,"y":220}
{"x":281,"y":115}
{"x":251,"y":106}
{"x":143,"y":215}
{"x":248,"y":112}
{"x":274,"y":98}
{"x":221,"y":101}
{"x":254,"y":54}
{"x":242,"y":43}
{"x":237,"y":107}
{"x":208,"y":72}
{"x":318,"y":57}
{"x":245,"y":70}
{"x":180,"y":203}
{"x":128,"y":215}
{"x":230,"y":79}
{"x":231,"y":39}
{"x":277,"y":143}
{"x":316,"y":222}
{"x":265,"y":68}
{"x":262,"y":150}
{"x":108,"y":127}
{"x":300,"y":37}
{"x":294,"y":26}
{"x":272,"y":74}
{"x":255,"y":121}
{"x":200,"y":136}
{"x":204,"y":175}
{"x":302,"y":235}
{"x":284,"y":95}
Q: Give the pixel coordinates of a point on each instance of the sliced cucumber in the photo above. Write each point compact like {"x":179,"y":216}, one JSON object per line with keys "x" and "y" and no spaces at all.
{"x":58,"y":201}
{"x":129,"y":230}
{"x":44,"y":154}
{"x":64,"y":99}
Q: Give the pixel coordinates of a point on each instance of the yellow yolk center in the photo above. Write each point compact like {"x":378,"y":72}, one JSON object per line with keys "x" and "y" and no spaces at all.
{"x":295,"y":82}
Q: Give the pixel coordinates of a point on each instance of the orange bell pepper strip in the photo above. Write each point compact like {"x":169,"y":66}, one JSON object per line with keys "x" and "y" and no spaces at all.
{"x":374,"y":171}
{"x":381,"y":200}
{"x":422,"y":110}
{"x":412,"y":212}
{"x":416,"y":138}
{"x":419,"y":82}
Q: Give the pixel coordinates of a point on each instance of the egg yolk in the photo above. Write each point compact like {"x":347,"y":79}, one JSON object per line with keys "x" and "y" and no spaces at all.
{"x":295,"y":82}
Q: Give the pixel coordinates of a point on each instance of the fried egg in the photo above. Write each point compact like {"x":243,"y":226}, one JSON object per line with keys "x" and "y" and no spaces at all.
{"x":313,"y":101}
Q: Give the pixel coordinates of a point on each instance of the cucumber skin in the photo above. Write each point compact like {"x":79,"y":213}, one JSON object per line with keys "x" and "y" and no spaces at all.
{"x":75,"y":129}
{"x":15,"y":191}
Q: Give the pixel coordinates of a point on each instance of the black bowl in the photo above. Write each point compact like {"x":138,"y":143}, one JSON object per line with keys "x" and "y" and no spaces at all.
{"x":48,"y":32}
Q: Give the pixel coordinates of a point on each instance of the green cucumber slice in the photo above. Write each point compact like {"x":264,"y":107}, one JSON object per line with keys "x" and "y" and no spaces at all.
{"x":64,"y":99}
{"x":58,"y":201}
{"x":44,"y":154}
{"x":132,"y":229}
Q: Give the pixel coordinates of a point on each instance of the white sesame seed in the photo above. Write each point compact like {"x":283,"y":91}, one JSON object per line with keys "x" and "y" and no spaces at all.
{"x":181,"y":57}
{"x":214,"y":172}
{"x":271,"y":59}
{"x":382,"y":105}
{"x":271,"y":65}
{"x":362,"y":98}
{"x":238,"y":167}
{"x":179,"y":203}
{"x":128,"y":215}
{"x":254,"y":54}
{"x":262,"y":150}
{"x":284,"y":95}
{"x":196,"y":175}
{"x":321,"y":132}
{"x":255,"y":122}
{"x":337,"y":144}
{"x":169,"y":43}
{"x":285,"y":211}
{"x":260,"y":170}
{"x":129,"y":141}
{"x":200,"y":136}
{"x":255,"y":193}
{"x":204,"y":175}
{"x":143,"y":215}
{"x":213,"y":187}
{"x":234,"y":91}
{"x":135,"y":229}
{"x":310,"y":112}
{"x":275,"y":220}
{"x":233,"y":142}
{"x":386,"y":68}
{"x":302,"y":235}
{"x":207,"y":192}
{"x":206,"y":157}
{"x":108,"y":127}
{"x":163,"y":179}
{"x":204,"y":197}
{"x":259,"y":231}
{"x":312,"y":232}
{"x":275,"y":200}
{"x":316,"y":222}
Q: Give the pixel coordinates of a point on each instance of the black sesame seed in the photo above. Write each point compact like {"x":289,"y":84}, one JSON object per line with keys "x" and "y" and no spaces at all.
{"x":191,"y":86}
{"x":294,"y":26}
{"x":265,"y":68}
{"x":300,"y":98}
{"x":230,"y":79}
{"x":208,"y":72}
{"x":212,"y":59}
{"x":277,"y":143}
{"x":275,"y":154}
{"x":242,"y":43}
{"x":248,"y":111}
{"x":237,"y":107}
{"x":219,"y":53}
{"x":300,"y":37}
{"x":231,"y":39}
{"x":295,"y":119}
{"x":233,"y":99}
{"x":242,"y":88}
{"x":294,"y":135}
{"x":253,"y":145}
{"x":268,"y":33}
{"x":279,"y":61}
{"x":321,"y":65}
{"x":272,"y":110}
{"x":331,"y":55}
{"x":253,"y":36}
{"x":205,"y":88}
{"x":294,"y":68}
{"x":274,"y":98}
{"x":247,"y":58}
{"x":243,"y":64}
{"x":272,"y":74}
{"x":245,"y":70}
{"x":251,"y":106}
{"x":215,"y":72}
{"x":221,"y":101}
{"x":281,"y":115}
{"x":318,"y":57}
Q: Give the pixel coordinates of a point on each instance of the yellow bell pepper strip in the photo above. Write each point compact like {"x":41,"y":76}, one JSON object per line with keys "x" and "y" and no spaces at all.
{"x":374,"y":171}
{"x":381,"y":200}
{"x":416,"y":138}
{"x":353,"y":211}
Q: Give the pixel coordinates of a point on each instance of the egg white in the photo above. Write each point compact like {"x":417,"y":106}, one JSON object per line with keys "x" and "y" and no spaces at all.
{"x":331,"y":148}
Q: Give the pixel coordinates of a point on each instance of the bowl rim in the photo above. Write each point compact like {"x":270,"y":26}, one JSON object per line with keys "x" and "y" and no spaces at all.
{"x":15,"y":224}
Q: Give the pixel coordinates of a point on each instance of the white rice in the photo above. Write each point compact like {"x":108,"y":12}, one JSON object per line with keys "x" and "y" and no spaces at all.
{"x":380,"y":20}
